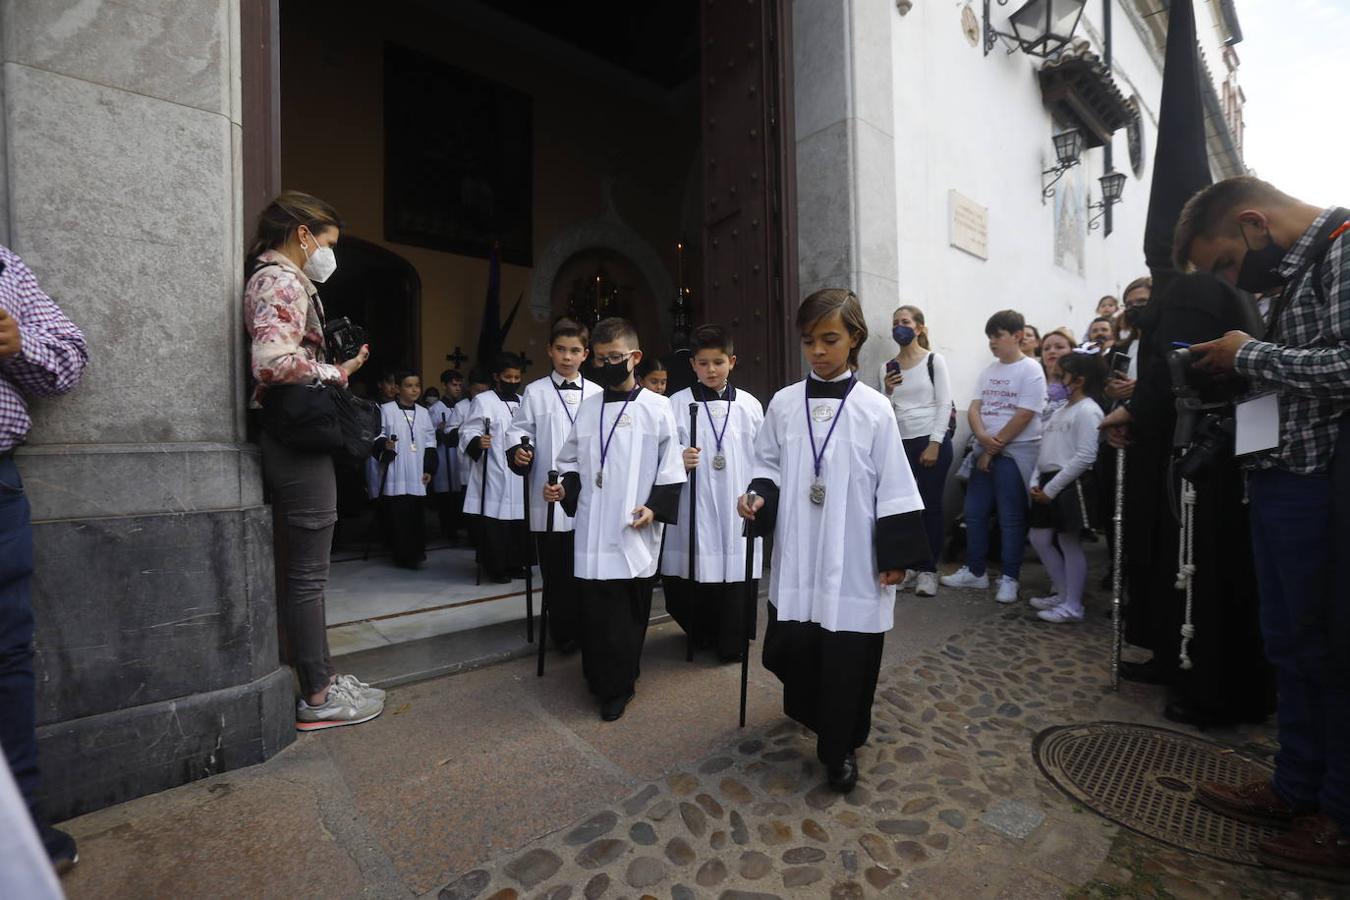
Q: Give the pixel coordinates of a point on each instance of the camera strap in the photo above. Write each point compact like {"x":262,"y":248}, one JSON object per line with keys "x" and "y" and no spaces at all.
{"x":1332,"y":229}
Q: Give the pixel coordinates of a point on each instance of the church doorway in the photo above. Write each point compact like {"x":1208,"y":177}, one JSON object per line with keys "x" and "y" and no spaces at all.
{"x":578,"y":140}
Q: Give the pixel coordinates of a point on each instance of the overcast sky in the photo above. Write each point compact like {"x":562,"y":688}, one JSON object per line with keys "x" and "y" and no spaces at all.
{"x":1296,"y":75}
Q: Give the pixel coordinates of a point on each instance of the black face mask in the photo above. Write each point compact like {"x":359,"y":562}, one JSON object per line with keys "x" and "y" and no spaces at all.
{"x":610,"y":375}
{"x":1258,"y":272}
{"x":507,"y":389}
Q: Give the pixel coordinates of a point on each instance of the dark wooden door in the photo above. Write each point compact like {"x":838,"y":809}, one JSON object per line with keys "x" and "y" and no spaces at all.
{"x":749,"y":205}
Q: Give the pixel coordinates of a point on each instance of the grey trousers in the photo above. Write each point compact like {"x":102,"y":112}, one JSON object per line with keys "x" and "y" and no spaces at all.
{"x":303,"y":490}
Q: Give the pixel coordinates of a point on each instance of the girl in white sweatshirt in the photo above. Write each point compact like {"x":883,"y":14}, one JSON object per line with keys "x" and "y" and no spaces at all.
{"x":1058,"y":495}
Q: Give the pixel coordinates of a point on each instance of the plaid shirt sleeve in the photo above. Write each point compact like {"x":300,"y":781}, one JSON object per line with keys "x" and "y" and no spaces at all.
{"x":53,"y":354}
{"x":1319,"y":367}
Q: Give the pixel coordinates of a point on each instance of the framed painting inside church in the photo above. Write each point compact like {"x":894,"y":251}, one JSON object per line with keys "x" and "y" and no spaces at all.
{"x":458,"y":158}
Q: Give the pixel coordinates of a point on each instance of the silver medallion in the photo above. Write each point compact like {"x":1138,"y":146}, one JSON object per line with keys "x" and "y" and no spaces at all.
{"x":822,"y":413}
{"x":719,"y":462}
{"x":817,"y":492}
{"x":599,"y":479}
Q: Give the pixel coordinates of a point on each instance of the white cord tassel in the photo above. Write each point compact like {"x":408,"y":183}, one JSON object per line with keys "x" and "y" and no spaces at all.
{"x":1186,"y":567}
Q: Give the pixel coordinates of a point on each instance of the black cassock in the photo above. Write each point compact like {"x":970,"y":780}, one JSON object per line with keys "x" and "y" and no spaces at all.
{"x":1230,"y":677}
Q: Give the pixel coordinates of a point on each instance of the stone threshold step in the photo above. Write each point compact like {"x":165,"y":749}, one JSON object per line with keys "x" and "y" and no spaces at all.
{"x":408,"y":662}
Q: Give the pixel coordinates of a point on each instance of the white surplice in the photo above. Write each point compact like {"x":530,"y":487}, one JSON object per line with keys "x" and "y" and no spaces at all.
{"x":824,"y":556}
{"x":415,"y":435}
{"x":546,"y":414}
{"x":643,"y":452}
{"x":504,"y":498}
{"x":721,"y":545}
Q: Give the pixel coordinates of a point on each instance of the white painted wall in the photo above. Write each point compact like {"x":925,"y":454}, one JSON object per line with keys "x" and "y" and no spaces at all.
{"x":977,"y":125}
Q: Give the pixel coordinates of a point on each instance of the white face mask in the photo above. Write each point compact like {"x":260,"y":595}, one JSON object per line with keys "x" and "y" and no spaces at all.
{"x":321,"y":264}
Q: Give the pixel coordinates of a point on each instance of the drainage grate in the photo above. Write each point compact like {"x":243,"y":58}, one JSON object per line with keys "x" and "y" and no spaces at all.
{"x":1144,"y":779}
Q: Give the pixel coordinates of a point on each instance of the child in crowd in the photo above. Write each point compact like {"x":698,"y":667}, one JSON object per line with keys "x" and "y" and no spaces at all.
{"x":545,"y":416}
{"x":1059,"y":504}
{"x":430,"y":396}
{"x":621,"y":473}
{"x":834,"y":487}
{"x":406,"y":449}
{"x":386,"y":389}
{"x":711,"y":607}
{"x":447,"y":485}
{"x":921,"y":397}
{"x":1005,"y":417}
{"x":1031,"y":342}
{"x":1054,"y":347}
{"x":652,"y":374}
{"x":492,"y":492}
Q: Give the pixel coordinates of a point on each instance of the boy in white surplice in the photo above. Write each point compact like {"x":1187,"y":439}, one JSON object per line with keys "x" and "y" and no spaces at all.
{"x":834,"y":485}
{"x":710,"y":607}
{"x":621,"y":474}
{"x":500,"y":504}
{"x":545,"y":417}
{"x":406,"y":450}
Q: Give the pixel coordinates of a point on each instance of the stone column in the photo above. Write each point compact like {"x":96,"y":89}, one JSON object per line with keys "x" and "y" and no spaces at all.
{"x":847,"y":228}
{"x":156,"y":626}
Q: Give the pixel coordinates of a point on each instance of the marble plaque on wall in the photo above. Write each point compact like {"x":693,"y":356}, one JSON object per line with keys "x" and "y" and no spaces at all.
{"x":967,"y":225}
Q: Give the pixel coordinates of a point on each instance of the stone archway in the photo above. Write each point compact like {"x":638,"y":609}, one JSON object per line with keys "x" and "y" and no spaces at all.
{"x":608,"y":232}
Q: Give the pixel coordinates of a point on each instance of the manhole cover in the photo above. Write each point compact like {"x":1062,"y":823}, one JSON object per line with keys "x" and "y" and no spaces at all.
{"x":1144,"y":779}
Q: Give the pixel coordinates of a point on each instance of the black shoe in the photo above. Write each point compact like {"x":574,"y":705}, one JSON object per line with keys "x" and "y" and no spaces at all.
{"x":612,"y":710}
{"x":61,"y":849}
{"x":1150,"y":672}
{"x":845,"y":775}
{"x":1185,"y":713}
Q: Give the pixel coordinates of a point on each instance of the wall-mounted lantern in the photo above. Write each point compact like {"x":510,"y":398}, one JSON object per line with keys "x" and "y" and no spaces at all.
{"x":1040,"y":27}
{"x":1068,"y":153}
{"x":1113,"y":184}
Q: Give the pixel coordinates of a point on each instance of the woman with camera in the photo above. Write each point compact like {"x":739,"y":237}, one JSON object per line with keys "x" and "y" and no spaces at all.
{"x":292,"y":250}
{"x":921,"y":395}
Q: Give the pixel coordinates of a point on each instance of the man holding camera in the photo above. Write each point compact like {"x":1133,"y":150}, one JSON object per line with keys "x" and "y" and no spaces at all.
{"x":1260,"y":239}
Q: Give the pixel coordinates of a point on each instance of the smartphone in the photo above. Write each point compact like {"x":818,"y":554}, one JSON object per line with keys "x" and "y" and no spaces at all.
{"x":892,"y":367}
{"x":1120,"y":366}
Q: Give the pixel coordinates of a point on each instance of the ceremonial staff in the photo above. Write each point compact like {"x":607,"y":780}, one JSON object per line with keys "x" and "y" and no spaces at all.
{"x":482,"y":505}
{"x":543,"y":604}
{"x":693,"y":537}
{"x":751,"y":600}
{"x":529,"y":556}
{"x":1117,"y":563}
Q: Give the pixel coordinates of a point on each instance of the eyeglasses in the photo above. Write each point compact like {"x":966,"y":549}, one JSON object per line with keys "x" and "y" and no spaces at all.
{"x":614,"y":359}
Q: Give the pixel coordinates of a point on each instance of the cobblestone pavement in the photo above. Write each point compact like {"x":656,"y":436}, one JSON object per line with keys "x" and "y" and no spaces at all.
{"x":949,"y":804}
{"x":495,"y":784}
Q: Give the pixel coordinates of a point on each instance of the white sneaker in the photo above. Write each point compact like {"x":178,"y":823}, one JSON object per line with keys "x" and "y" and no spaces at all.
{"x":911,"y":576}
{"x":360,"y":687}
{"x":927,"y":584}
{"x":1045,"y":602}
{"x":343,"y":706}
{"x":1061,"y":615}
{"x":962,"y":578}
{"x":1007,"y":590}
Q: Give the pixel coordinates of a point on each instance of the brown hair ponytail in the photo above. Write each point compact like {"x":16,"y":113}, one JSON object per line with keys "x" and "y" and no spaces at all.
{"x":287,"y":212}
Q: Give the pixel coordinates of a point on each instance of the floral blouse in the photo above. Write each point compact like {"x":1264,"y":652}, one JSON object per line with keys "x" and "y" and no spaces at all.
{"x":284,"y":318}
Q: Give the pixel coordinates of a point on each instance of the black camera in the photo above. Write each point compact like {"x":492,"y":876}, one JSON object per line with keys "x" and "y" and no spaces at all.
{"x":343,"y":339}
{"x":1213,"y":440}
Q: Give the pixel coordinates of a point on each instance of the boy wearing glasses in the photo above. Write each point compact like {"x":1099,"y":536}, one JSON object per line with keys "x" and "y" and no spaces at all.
{"x":621,"y":473}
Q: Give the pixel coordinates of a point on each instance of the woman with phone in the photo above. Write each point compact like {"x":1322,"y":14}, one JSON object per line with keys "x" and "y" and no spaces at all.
{"x":921,"y":396}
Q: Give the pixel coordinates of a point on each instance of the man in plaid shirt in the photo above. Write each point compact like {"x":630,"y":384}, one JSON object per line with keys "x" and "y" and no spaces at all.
{"x":1257,"y":237}
{"x":41,"y":354}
